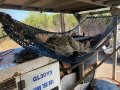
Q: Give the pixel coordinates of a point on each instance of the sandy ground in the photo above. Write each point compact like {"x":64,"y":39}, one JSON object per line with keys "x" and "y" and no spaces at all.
{"x":8,"y":44}
{"x":105,"y":70}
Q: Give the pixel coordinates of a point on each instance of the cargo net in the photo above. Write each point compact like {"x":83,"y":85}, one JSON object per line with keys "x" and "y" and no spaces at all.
{"x":34,"y":39}
{"x":95,"y":25}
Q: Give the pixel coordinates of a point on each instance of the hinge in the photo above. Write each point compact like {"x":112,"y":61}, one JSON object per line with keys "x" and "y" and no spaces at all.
{"x":21,"y":85}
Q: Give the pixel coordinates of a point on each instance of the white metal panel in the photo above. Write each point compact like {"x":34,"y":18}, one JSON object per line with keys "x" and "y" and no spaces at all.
{"x":81,"y":86}
{"x":24,"y":68}
{"x":17,"y":79}
{"x":44,"y":78}
{"x":68,"y":81}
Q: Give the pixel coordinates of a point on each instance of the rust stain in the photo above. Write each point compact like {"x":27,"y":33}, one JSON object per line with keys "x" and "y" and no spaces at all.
{"x":16,"y":74}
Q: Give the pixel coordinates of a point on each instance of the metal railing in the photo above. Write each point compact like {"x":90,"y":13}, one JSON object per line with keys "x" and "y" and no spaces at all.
{"x":106,"y":58}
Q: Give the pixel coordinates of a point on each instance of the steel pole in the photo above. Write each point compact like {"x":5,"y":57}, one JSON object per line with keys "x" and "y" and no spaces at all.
{"x":115,"y":35}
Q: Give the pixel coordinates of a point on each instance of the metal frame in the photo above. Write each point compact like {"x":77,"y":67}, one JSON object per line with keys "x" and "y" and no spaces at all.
{"x":100,"y":3}
{"x":68,"y":6}
{"x":79,"y":66}
{"x":115,"y":34}
{"x":62,"y":22}
{"x":79,"y":69}
{"x":95,"y":68}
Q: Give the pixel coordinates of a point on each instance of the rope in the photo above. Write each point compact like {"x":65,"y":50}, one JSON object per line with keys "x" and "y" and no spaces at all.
{"x":94,"y":68}
{"x":74,"y":66}
{"x":6,"y":53}
{"x":80,"y":50}
{"x":25,"y":36}
{"x":72,"y":50}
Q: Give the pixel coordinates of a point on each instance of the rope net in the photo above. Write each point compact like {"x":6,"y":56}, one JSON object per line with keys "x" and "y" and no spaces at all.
{"x":95,"y":25}
{"x":94,"y":29}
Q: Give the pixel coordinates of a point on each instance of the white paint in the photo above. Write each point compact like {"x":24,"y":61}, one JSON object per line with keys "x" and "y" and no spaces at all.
{"x":51,"y":77}
{"x":9,"y":69}
{"x":24,"y":67}
{"x":68,"y":81}
{"x":81,"y":86}
{"x":26,"y":71}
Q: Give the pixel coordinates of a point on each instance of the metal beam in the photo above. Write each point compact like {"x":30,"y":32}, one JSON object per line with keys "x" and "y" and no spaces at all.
{"x":99,"y":3}
{"x":116,"y":4}
{"x":62,"y":3}
{"x":115,"y":11}
{"x":18,"y":7}
{"x":29,"y":2}
{"x":114,"y":48}
{"x":95,"y":0}
{"x":74,"y":5}
{"x":62,"y":22}
{"x":45,"y":3}
{"x":80,"y":69}
{"x":96,"y":11}
{"x":106,"y":58}
{"x":80,"y":18}
{"x":111,"y":1}
{"x":77,"y":16}
{"x":2,"y":1}
{"x":76,"y":8}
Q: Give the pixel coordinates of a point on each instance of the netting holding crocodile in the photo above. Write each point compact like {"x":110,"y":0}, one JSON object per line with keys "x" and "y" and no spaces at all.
{"x":98,"y":28}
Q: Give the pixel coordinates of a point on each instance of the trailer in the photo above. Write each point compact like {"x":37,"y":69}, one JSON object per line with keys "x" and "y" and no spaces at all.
{"x":38,"y":74}
{"x":43,"y":73}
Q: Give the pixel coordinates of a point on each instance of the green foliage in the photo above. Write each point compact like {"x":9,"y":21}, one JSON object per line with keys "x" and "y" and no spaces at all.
{"x":2,"y":33}
{"x":50,"y":22}
{"x":70,"y":21}
{"x":56,"y":21}
{"x":1,"y":30}
{"x":34,"y":19}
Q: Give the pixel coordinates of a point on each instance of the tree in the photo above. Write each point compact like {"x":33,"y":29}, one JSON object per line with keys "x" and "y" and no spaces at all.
{"x":1,"y":30}
{"x":37,"y":20}
{"x":70,"y":21}
{"x":56,"y":21}
{"x":49,"y":22}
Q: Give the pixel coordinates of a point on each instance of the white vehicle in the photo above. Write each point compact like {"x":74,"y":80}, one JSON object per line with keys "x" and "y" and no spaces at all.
{"x":109,"y":49}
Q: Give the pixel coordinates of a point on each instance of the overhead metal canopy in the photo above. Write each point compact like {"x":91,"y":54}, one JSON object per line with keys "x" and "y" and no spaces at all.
{"x":66,"y":6}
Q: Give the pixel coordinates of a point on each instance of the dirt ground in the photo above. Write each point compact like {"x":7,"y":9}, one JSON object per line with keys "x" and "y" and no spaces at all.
{"x":7,"y":44}
{"x":105,"y":70}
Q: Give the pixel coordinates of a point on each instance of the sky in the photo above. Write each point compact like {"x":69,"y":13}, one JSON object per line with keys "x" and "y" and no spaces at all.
{"x":18,"y":14}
